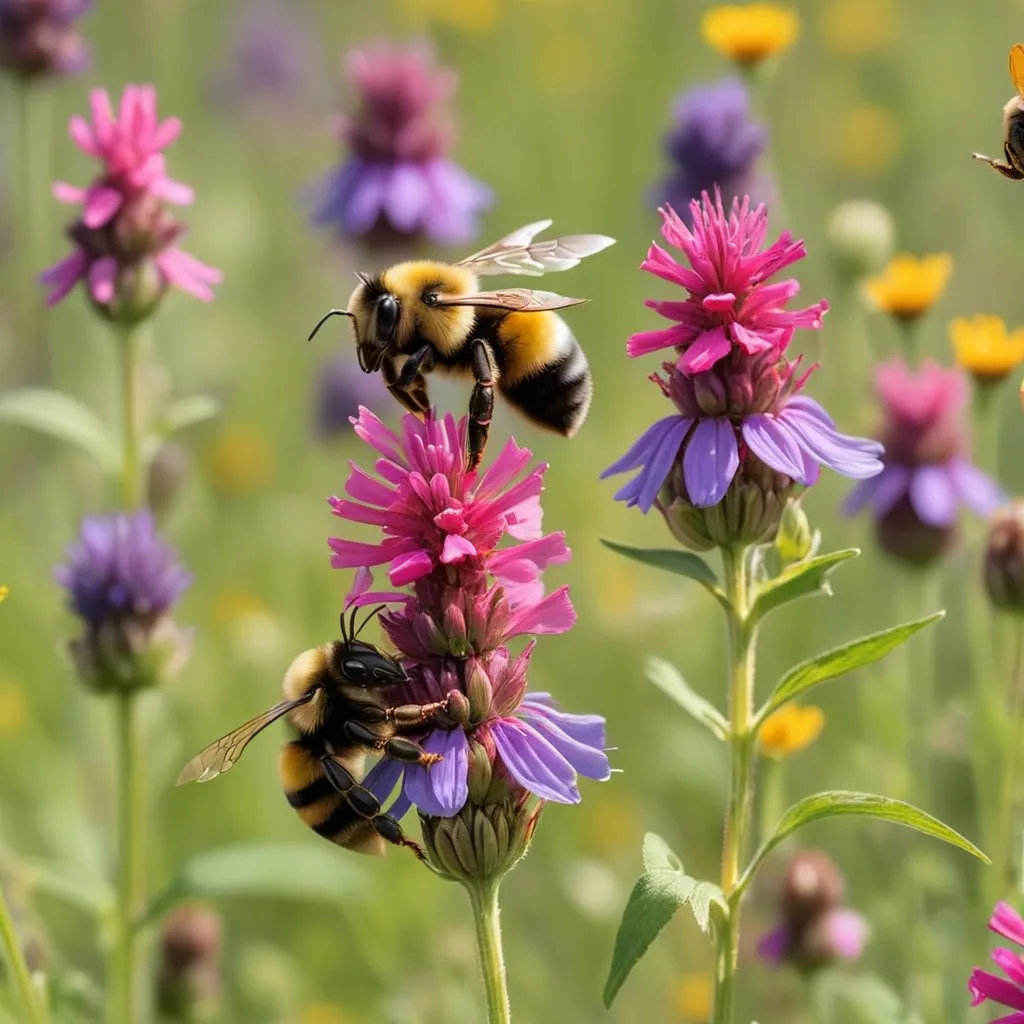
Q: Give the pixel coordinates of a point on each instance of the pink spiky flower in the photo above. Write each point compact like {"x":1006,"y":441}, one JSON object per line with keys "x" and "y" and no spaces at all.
{"x":1008,"y":991}
{"x":731,"y":304}
{"x":125,"y":235}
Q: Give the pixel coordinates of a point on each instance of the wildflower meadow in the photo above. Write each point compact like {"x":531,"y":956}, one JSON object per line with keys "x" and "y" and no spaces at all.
{"x":710,"y":712}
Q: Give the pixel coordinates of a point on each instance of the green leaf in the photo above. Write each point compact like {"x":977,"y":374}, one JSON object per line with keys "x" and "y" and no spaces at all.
{"x":682,"y":563}
{"x":65,"y":418}
{"x":840,"y":660}
{"x":667,"y":679}
{"x":839,"y":803}
{"x":298,"y":871}
{"x":185,"y":412}
{"x":661,"y":890}
{"x":802,"y":579}
{"x":65,"y":882}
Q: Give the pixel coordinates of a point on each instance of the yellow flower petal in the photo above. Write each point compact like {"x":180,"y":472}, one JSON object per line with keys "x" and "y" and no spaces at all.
{"x":751,"y":33}
{"x":692,"y":996}
{"x":910,"y":285}
{"x":984,"y":347}
{"x":790,"y":729}
{"x":4,"y":591}
{"x":855,"y":27}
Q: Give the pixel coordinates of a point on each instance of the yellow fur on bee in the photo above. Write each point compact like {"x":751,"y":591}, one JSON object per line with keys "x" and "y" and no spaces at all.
{"x":446,"y":327}
{"x":531,"y":341}
{"x":296,"y":769}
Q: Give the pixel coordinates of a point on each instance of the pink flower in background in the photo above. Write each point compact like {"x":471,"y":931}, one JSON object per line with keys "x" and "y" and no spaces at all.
{"x":40,"y":37}
{"x":731,"y":305}
{"x":125,"y":235}
{"x":1008,"y":991}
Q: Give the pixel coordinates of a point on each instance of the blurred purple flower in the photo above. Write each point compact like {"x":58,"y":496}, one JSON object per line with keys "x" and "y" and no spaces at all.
{"x":398,"y":180}
{"x":1008,"y":991}
{"x":40,"y":37}
{"x":713,"y":142}
{"x":341,"y":388}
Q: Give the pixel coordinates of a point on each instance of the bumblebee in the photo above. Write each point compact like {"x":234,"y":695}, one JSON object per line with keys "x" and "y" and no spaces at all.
{"x":420,"y":316}
{"x":1013,"y":123}
{"x":332,"y":701}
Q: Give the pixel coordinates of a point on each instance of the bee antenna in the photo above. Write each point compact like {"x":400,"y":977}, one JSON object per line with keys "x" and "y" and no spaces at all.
{"x":344,"y":631}
{"x":327,"y":316}
{"x":376,"y":611}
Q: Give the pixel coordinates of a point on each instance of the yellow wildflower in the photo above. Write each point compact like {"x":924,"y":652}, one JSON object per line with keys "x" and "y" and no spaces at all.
{"x":751,"y":33}
{"x":910,"y":285}
{"x":692,"y":996}
{"x":867,"y":141}
{"x":855,"y":27}
{"x":239,"y":461}
{"x":324,"y":1013}
{"x":790,"y":729}
{"x":13,"y":708}
{"x":4,"y":591}
{"x":985,"y":348}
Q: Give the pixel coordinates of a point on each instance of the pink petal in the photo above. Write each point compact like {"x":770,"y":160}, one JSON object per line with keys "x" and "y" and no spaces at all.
{"x":361,"y":582}
{"x":168,"y":131}
{"x":707,"y":350}
{"x":82,"y":135}
{"x":511,"y":461}
{"x":102,"y":278}
{"x":103,"y":121}
{"x":365,"y":488}
{"x":349,"y":554}
{"x":65,"y":193}
{"x":63,"y":276}
{"x":409,"y":567}
{"x":645,"y":342}
{"x":555,"y":614}
{"x":751,"y":342}
{"x":173,"y":191}
{"x":101,"y":204}
{"x":721,"y":302}
{"x":187,"y":273}
{"x":456,"y":549}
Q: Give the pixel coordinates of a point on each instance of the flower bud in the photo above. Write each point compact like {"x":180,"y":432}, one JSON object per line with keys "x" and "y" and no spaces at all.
{"x":455,"y":631}
{"x":813,"y":885}
{"x":479,"y":773}
{"x":168,"y":472}
{"x":478,"y":689}
{"x":906,"y":538}
{"x":795,"y":539}
{"x":1004,"y":558}
{"x":860,"y":235}
{"x":459,"y":708}
{"x":189,"y":981}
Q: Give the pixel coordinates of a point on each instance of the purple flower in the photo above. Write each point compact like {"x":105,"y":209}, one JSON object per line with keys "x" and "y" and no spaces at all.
{"x":1008,"y":991}
{"x":398,"y":180}
{"x":40,"y":37}
{"x":340,"y":389}
{"x":713,"y":143}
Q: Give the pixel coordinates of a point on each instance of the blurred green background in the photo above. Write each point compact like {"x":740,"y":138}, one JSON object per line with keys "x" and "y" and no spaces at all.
{"x":562,"y":106}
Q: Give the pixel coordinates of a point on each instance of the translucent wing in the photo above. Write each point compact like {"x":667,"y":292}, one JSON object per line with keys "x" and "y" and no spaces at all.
{"x":1017,"y":67}
{"x":516,"y":300}
{"x":222,"y":754}
{"x":519,"y":254}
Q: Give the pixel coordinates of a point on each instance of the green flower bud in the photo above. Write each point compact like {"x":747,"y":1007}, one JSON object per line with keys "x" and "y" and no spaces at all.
{"x":860,"y":235}
{"x":479,"y":690}
{"x":795,"y":539}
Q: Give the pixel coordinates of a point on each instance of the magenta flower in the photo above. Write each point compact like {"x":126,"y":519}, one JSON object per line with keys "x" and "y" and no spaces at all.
{"x":125,"y":236}
{"x":927,"y":463}
{"x":730,"y":304}
{"x":398,"y":179}
{"x":1008,"y":991}
{"x":442,"y":526}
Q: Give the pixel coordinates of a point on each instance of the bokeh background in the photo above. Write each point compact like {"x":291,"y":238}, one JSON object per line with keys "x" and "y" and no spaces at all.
{"x":562,"y":108}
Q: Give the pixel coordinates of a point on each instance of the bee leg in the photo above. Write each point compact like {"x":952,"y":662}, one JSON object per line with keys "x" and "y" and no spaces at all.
{"x":481,"y":402}
{"x":367,"y":806}
{"x":419,"y":363}
{"x":1006,"y":170}
{"x":405,"y":715}
{"x":409,"y":400}
{"x":398,"y":747}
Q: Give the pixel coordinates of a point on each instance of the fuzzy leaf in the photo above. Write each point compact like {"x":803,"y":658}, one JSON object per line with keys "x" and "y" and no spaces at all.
{"x":682,"y":563}
{"x":840,"y":660}
{"x":802,"y":579}
{"x":65,"y":418}
{"x":185,"y":412}
{"x":667,"y":679}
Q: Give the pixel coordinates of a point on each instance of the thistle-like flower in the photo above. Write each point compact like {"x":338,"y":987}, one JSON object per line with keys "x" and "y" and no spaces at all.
{"x":125,"y":237}
{"x":442,"y":526}
{"x":722,"y":466}
{"x":40,"y":37}
{"x":122,"y":583}
{"x":398,"y":181}
{"x":928,"y":475}
{"x":1008,"y":991}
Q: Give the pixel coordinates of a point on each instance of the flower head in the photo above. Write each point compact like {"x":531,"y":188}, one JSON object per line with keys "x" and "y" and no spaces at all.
{"x":122,"y":582}
{"x":928,"y":474}
{"x":1008,"y":991}
{"x":790,"y":729}
{"x":189,"y":982}
{"x":985,"y":349}
{"x":910,"y":285}
{"x":340,"y":389}
{"x":1004,"y":558}
{"x":750,"y":33}
{"x":398,"y":180}
{"x":40,"y":37}
{"x":125,"y":236}
{"x":860,"y":236}
{"x":713,"y":142}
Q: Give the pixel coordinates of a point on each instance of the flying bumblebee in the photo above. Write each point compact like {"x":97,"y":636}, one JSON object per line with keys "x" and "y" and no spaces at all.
{"x":1013,"y":123}
{"x":419,"y":316}
{"x":332,"y":702}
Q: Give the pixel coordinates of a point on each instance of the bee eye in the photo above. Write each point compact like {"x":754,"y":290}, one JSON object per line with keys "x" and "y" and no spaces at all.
{"x":354,"y":669}
{"x":430,"y":299}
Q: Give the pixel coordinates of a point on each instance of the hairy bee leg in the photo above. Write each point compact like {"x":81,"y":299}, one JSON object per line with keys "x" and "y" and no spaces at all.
{"x":404,"y":715}
{"x":367,"y":806}
{"x":411,"y":402}
{"x":481,"y":402}
{"x":1006,"y":170}
{"x":398,"y":747}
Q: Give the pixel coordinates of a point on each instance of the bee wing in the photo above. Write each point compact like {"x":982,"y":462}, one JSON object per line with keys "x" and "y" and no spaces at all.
{"x":516,"y":300}
{"x":519,"y":254}
{"x":1017,"y":67}
{"x":222,"y":754}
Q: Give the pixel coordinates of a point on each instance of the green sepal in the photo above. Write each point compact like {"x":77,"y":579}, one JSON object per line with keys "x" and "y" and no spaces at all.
{"x":60,"y":416}
{"x":802,"y":579}
{"x":840,"y":660}
{"x":661,"y":890}
{"x":667,"y":679}
{"x":681,"y":563}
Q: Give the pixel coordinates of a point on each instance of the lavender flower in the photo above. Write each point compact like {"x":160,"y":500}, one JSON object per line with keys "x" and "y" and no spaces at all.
{"x":398,"y":180}
{"x":40,"y":37}
{"x":340,"y":389}
{"x":714,"y":142}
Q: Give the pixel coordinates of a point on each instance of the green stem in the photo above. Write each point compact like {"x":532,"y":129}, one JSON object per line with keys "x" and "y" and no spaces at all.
{"x":31,"y":1008}
{"x":483,"y":896}
{"x":131,"y":469}
{"x":1004,"y":823}
{"x":741,"y":746}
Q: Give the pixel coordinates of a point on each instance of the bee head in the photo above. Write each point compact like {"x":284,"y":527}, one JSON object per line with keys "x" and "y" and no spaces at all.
{"x":375,"y":313}
{"x":361,"y":663}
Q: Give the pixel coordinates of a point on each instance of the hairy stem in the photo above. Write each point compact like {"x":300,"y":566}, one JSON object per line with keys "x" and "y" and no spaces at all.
{"x":31,"y":1007}
{"x":131,"y":468}
{"x":483,"y":896}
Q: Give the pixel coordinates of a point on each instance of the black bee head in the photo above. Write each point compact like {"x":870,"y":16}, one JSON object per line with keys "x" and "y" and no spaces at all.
{"x":365,"y":665}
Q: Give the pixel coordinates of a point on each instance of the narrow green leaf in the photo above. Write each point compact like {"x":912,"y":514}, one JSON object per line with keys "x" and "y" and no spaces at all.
{"x":62,"y":417}
{"x":682,"y":563}
{"x":803,"y":579}
{"x":667,"y":679}
{"x":839,"y":803}
{"x":185,"y":412}
{"x":658,"y":855}
{"x":840,"y":660}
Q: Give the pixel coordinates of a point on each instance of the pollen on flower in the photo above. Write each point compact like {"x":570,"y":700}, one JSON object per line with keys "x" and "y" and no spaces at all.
{"x":910,"y":285}
{"x":985,"y":348}
{"x":790,"y":729}
{"x":750,"y":33}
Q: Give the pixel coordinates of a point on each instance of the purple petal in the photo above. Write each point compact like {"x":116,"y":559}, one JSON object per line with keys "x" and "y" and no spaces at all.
{"x":933,"y":495}
{"x":654,"y":453}
{"x":407,"y":197}
{"x":382,"y":777}
{"x":710,"y":461}
{"x":846,"y":932}
{"x":587,"y":729}
{"x":977,"y":490}
{"x":852,"y":456}
{"x":365,"y":199}
{"x":534,"y":763}
{"x":772,"y":443}
{"x":880,"y":492}
{"x":587,"y":759}
{"x":773,"y":947}
{"x":442,"y":789}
